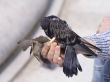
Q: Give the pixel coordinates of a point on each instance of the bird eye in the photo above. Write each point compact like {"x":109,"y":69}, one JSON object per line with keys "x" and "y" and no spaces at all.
{"x":64,"y":22}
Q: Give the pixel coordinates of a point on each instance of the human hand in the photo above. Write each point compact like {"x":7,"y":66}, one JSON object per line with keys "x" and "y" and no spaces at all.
{"x":51,"y":51}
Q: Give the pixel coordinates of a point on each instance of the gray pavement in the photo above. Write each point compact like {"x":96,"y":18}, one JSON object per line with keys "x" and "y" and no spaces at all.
{"x":84,"y":16}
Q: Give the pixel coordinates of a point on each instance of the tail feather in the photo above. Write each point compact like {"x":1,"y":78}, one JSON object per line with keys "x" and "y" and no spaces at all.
{"x":71,"y":64}
{"x":78,"y":65}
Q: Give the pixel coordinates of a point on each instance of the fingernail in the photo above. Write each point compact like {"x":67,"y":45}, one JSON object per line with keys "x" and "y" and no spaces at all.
{"x":55,"y":43}
{"x":59,"y":58}
{"x":57,"y":47}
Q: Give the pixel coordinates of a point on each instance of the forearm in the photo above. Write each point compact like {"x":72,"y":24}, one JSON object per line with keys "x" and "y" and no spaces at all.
{"x":102,"y":40}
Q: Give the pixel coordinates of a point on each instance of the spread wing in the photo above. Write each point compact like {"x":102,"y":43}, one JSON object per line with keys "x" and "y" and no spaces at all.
{"x":25,"y":44}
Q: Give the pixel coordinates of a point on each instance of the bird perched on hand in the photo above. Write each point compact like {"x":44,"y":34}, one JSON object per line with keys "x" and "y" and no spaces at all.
{"x":53,"y":26}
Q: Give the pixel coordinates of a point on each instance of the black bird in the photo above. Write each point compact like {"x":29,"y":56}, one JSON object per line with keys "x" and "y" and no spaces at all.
{"x":53,"y":26}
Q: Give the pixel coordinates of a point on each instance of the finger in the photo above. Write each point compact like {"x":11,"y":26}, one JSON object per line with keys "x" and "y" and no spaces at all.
{"x":45,"y":49}
{"x":56,"y":55}
{"x":51,"y":51}
{"x":62,"y":56}
{"x":60,"y":61}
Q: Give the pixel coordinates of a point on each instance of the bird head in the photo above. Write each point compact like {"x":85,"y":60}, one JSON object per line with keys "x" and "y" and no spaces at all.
{"x":46,"y":21}
{"x":52,"y":24}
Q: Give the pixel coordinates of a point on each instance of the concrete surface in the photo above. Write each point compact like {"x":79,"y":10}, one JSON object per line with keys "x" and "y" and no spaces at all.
{"x":22,"y":58}
{"x":17,"y":19}
{"x":84,"y":16}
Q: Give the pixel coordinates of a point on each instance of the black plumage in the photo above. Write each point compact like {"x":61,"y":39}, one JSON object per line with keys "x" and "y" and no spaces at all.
{"x":53,"y":26}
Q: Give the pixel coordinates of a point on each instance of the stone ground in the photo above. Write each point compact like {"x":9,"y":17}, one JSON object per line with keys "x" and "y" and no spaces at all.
{"x":84,"y":16}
